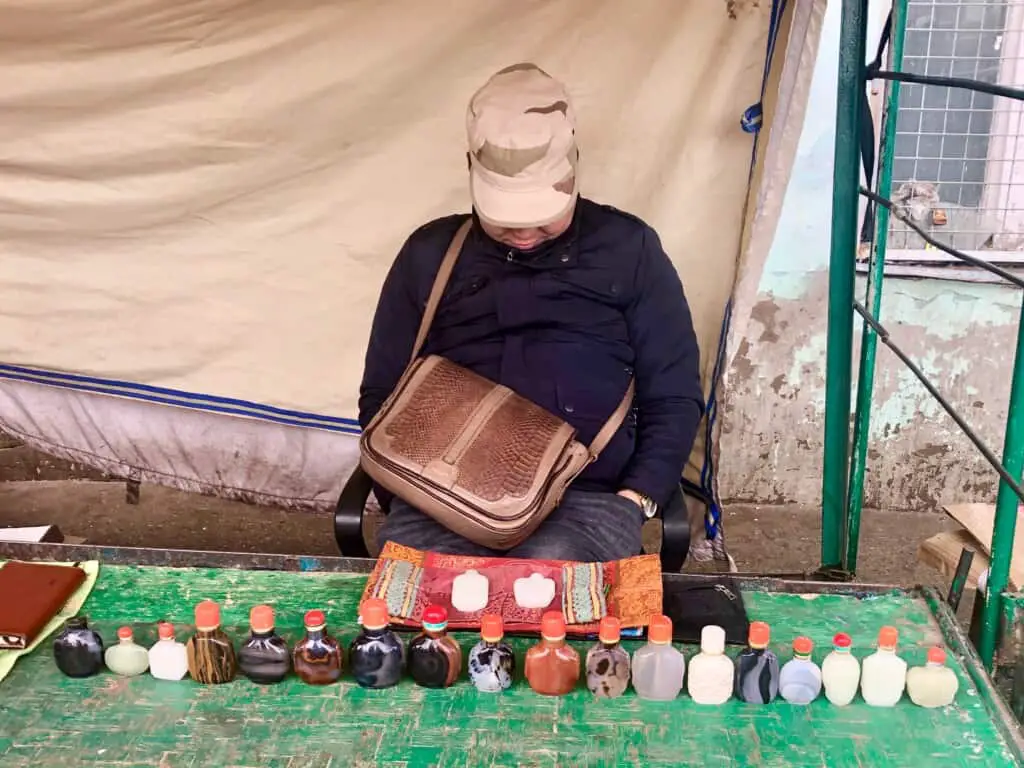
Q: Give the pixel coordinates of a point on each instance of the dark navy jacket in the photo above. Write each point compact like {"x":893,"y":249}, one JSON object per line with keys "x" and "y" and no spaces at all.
{"x":565,"y":325}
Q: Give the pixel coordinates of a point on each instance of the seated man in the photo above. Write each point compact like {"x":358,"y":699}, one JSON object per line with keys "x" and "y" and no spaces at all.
{"x":562,"y":300}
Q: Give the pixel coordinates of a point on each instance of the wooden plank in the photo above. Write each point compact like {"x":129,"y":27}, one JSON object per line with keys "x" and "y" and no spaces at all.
{"x":942,"y":552}
{"x":979,"y":520}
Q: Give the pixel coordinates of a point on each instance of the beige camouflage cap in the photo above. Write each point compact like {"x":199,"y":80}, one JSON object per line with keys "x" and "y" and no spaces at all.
{"x":522,"y":146}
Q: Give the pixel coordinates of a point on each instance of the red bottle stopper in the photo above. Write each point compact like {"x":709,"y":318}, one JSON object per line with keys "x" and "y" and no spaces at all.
{"x":435,"y":618}
{"x":842,"y":640}
{"x":887,"y":638}
{"x":261,"y":618}
{"x":803,"y":646}
{"x":315,"y":620}
{"x":660,"y":630}
{"x":610,"y":630}
{"x":124,"y":633}
{"x":165,"y":630}
{"x":759,"y":635}
{"x":552,"y":626}
{"x":936,"y":655}
{"x":492,"y":629}
{"x":207,"y":616}
{"x":374,"y":614}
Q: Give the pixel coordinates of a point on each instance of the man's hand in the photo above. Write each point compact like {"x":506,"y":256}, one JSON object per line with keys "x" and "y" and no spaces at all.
{"x":633,"y":496}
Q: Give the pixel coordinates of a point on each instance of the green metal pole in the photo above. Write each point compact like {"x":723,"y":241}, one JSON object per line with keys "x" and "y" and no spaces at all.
{"x":873,"y":298}
{"x":842,"y":274}
{"x":1006,"y":508}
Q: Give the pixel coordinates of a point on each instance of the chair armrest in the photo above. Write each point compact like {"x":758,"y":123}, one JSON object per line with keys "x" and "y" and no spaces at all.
{"x":675,"y":533}
{"x":348,"y":514}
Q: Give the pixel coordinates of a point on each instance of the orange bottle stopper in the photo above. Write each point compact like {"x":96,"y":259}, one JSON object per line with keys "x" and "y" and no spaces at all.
{"x":610,"y":630}
{"x":803,"y":646}
{"x":261,"y":618}
{"x":552,"y":626}
{"x":315,"y":620}
{"x":842,"y":640}
{"x":759,"y":635}
{"x":124,"y":633}
{"x":492,"y":629}
{"x":374,"y":613}
{"x":207,"y":616}
{"x":660,"y":630}
{"x":936,"y":655}
{"x":887,"y":638}
{"x":165,"y":630}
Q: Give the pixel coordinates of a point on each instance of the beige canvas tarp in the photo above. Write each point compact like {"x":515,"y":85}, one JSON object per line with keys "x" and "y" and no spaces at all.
{"x":199,"y":199}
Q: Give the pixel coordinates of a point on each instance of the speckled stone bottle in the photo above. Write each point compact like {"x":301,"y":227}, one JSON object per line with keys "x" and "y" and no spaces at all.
{"x":317,"y":656}
{"x":376,"y":655}
{"x":265,"y":656}
{"x":607,"y":661}
{"x":435,"y":659}
{"x":757,"y":668}
{"x":211,"y":654}
{"x":552,"y":667}
{"x":78,"y":650}
{"x":492,"y":664}
{"x":126,"y":658}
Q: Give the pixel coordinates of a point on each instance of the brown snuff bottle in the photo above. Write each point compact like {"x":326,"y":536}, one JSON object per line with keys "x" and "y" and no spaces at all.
{"x":317,"y":656}
{"x":211,"y":654}
{"x":435,"y":658}
{"x":552,"y":666}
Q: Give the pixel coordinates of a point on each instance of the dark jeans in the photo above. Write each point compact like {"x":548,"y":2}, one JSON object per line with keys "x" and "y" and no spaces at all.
{"x":586,"y":526}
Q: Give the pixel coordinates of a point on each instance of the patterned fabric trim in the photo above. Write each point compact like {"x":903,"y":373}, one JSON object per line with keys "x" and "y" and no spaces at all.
{"x":397,"y":584}
{"x":583,"y":593}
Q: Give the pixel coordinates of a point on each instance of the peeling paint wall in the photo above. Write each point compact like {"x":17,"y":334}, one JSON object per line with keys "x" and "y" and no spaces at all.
{"x":962,"y":335}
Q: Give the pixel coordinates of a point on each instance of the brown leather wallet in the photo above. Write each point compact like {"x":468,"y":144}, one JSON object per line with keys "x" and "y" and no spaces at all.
{"x":30,"y":595}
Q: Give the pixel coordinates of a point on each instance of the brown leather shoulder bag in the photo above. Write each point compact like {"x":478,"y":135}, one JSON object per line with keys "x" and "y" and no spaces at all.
{"x":478,"y":458}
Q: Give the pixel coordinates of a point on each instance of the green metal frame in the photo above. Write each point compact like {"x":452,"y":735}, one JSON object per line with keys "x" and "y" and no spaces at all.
{"x":844,"y":465}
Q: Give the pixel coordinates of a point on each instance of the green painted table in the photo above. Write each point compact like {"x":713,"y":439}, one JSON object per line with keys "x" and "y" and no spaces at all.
{"x":47,"y":719}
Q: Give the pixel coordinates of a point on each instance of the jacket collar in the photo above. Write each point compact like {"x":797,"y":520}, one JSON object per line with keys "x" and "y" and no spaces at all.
{"x":563,"y":251}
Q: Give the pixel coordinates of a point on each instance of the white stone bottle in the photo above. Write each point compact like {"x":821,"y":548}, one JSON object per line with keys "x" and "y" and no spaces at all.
{"x":884,"y":674}
{"x":840,"y":672}
{"x":711,"y":672}
{"x":934,"y":684}
{"x":168,"y":659}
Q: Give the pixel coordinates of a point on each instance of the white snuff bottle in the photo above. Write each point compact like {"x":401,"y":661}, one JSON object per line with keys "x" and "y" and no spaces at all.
{"x":168,"y":659}
{"x":711,"y":672}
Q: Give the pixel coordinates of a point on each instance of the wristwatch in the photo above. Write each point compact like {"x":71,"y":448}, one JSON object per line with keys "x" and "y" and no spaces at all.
{"x":647,"y":504}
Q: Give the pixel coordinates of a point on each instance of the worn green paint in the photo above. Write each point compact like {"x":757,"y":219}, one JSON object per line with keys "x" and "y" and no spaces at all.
{"x":46,"y":719}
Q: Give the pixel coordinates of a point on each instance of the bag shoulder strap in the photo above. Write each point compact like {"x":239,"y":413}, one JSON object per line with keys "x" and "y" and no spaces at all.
{"x":443,"y":273}
{"x":611,"y":426}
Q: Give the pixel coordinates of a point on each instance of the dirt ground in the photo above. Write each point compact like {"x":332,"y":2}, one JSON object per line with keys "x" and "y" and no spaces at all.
{"x":36,"y":489}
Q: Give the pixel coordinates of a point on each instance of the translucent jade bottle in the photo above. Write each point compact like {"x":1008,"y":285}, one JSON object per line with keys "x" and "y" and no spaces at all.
{"x":658,"y":668}
{"x":317,"y":656}
{"x":552,"y":666}
{"x":757,"y":668}
{"x":934,"y":684}
{"x":376,"y":655}
{"x":884,"y":674}
{"x":711,"y":672}
{"x":435,"y":658}
{"x":608,"y":663}
{"x":168,"y":659}
{"x":840,"y":671}
{"x":491,"y":661}
{"x":126,"y":657}
{"x":211,"y":654}
{"x":800,"y":677}
{"x":265,"y":656}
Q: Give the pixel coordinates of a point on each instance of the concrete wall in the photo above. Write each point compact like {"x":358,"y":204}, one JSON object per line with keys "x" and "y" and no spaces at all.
{"x":961,"y":334}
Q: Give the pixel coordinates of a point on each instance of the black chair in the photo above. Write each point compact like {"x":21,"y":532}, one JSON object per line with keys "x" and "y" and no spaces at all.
{"x":348,"y":523}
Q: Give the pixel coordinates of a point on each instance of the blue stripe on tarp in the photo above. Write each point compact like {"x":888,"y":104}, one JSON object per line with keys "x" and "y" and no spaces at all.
{"x":165,"y":396}
{"x":750,"y":121}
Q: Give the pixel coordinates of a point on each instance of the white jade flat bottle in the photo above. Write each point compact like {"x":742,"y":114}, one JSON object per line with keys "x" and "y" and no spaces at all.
{"x":934,"y":684}
{"x":883,"y":674}
{"x":711,"y":672}
{"x":840,"y":672}
{"x":168,"y":659}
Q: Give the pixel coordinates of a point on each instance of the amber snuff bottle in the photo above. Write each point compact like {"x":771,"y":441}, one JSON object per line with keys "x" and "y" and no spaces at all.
{"x":552,"y":666}
{"x":317,"y":656}
{"x":211,"y":654}
{"x":435,"y":658}
{"x":265,"y":656}
{"x":376,"y":655}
